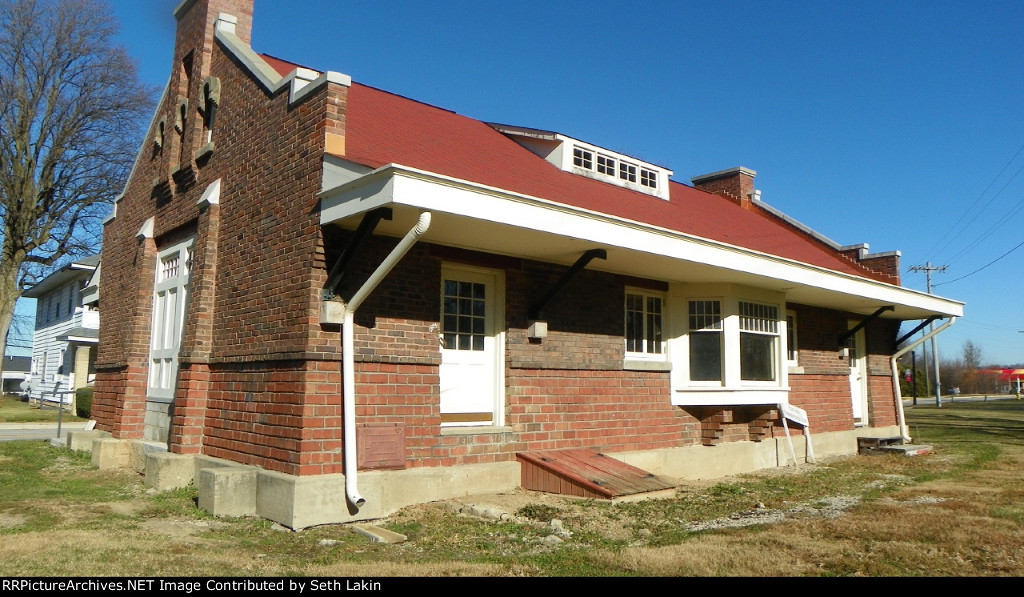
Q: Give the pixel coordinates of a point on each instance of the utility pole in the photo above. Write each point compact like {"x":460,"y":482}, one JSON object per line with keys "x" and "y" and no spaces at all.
{"x":927,"y":268}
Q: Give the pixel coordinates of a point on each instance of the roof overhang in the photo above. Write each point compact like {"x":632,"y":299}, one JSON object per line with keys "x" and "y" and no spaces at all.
{"x":480,"y":218}
{"x":59,"y":278}
{"x":81,"y":336}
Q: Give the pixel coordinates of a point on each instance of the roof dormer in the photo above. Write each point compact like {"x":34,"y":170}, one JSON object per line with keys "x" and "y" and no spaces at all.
{"x":592,"y":161}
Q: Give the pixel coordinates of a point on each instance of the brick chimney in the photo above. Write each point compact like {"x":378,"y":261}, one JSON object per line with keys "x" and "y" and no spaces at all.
{"x":736,"y":184}
{"x":197,"y":20}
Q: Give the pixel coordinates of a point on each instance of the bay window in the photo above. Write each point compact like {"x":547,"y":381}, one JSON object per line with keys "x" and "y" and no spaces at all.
{"x":728,"y":349}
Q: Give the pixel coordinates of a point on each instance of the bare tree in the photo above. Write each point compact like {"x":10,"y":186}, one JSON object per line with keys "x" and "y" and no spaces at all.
{"x":972,"y":364}
{"x":70,"y":109}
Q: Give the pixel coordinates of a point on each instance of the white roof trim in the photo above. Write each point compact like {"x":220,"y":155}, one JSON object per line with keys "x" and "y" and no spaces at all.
{"x":400,"y":185}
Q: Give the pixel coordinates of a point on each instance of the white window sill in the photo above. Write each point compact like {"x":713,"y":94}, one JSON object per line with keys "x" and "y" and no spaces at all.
{"x":646,"y":365}
{"x":729,"y":396}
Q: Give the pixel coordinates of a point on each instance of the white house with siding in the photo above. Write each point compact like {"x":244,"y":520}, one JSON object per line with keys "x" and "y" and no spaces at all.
{"x":66,"y":329}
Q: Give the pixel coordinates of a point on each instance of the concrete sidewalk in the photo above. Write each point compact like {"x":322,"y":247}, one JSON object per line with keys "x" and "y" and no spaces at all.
{"x":34,"y":431}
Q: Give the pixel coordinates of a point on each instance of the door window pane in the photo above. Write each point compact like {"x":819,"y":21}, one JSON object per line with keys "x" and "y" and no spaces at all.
{"x":464,"y":317}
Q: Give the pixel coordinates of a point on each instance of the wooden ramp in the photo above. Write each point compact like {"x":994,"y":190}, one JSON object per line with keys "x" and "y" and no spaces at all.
{"x":589,"y":474}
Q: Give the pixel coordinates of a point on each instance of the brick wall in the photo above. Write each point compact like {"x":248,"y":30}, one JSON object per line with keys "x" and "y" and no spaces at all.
{"x":260,"y":378}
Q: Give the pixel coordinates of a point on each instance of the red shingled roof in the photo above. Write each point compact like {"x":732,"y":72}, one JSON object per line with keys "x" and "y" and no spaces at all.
{"x":384,"y":128}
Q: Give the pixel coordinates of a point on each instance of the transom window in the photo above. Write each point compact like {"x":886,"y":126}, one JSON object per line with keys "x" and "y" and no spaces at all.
{"x":644,"y":322}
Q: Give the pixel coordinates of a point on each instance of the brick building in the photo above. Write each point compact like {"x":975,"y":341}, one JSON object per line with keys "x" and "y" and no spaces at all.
{"x":355,"y":301}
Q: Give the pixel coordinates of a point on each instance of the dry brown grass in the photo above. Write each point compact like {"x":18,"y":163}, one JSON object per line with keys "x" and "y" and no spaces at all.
{"x":956,"y":512}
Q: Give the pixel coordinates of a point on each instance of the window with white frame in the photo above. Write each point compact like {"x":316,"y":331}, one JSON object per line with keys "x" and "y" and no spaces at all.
{"x":627,"y":171}
{"x":649,"y":178}
{"x":644,"y":324}
{"x":759,"y":341}
{"x":705,"y":330}
{"x":733,"y":343}
{"x":170,"y":299}
{"x":582,"y":158}
{"x":619,"y":170}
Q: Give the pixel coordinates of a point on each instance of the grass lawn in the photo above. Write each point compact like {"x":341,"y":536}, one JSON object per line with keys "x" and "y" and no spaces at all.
{"x":15,"y":409}
{"x":956,"y":512}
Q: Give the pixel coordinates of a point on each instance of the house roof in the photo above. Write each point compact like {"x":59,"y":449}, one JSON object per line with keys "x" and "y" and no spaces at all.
{"x":16,"y":364}
{"x":384,"y":128}
{"x":65,"y":274}
{"x":81,"y":335}
{"x":491,"y":194}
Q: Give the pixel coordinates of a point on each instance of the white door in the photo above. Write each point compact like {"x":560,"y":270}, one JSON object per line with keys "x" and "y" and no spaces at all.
{"x":170,"y":298}
{"x":859,"y":378}
{"x":470,"y":350}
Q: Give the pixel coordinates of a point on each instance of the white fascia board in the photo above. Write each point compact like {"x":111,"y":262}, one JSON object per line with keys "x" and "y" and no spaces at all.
{"x":399,"y":185}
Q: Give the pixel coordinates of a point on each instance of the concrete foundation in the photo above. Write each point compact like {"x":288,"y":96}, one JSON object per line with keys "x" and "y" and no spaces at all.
{"x":230,"y":489}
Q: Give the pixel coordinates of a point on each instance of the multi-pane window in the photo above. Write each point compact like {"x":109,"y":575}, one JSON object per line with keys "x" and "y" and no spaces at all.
{"x":759,"y":337}
{"x":705,"y":331}
{"x":464,"y":315}
{"x":581,"y":158}
{"x":644,"y":335}
{"x":605,"y":165}
{"x":648,"y":178}
{"x":627,"y":172}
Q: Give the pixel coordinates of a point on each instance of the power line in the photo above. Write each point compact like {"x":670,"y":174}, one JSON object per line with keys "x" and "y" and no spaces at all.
{"x":953,"y":228}
{"x":982,"y":267}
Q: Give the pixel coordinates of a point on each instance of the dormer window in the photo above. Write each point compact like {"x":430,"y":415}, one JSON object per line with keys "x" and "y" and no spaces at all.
{"x":649,"y":178}
{"x":581,"y":158}
{"x":592,"y":161}
{"x":627,"y":172}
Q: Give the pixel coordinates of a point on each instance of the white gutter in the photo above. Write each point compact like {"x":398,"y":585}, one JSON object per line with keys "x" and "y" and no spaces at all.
{"x":348,"y":353}
{"x":896,"y":375}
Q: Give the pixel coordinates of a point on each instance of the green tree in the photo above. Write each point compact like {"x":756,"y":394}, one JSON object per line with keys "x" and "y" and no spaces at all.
{"x":70,"y":108}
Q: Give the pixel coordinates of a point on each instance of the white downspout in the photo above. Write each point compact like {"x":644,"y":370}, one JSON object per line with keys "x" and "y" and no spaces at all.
{"x":348,"y":353}
{"x":896,"y":375}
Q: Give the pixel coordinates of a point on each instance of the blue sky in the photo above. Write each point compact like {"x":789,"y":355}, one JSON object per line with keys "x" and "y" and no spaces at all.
{"x":899,"y":124}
